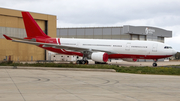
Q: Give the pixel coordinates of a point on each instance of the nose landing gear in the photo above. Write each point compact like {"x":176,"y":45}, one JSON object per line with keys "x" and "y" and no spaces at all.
{"x":155,"y":64}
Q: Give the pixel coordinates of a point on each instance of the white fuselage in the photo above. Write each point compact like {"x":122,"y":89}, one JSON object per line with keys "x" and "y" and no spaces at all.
{"x":134,"y":47}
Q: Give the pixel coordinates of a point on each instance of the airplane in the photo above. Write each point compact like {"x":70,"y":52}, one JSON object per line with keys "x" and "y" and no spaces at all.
{"x":98,"y":50}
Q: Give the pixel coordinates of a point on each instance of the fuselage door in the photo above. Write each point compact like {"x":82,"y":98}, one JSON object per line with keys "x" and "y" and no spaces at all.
{"x":154,"y":47}
{"x":128,"y":45}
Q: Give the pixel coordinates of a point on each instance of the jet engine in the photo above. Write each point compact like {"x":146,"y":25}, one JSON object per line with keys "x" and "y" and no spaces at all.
{"x":99,"y":56}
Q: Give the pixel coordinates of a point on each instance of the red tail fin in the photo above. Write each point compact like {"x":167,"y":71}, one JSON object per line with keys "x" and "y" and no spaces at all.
{"x":32,"y":28}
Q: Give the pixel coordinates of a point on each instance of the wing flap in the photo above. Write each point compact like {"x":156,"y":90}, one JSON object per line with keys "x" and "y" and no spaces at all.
{"x":28,"y":42}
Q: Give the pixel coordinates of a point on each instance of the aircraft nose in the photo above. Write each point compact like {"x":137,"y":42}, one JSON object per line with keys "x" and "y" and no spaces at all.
{"x":174,"y":52}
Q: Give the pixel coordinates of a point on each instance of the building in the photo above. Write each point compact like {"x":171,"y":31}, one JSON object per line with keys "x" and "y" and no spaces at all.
{"x":125,"y":32}
{"x":60,"y":57}
{"x":11,"y":23}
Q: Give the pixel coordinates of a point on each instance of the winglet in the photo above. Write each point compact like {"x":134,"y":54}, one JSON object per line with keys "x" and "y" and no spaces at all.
{"x":8,"y":38}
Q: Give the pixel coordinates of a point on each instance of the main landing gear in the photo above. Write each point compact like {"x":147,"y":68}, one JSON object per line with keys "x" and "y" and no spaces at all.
{"x":82,"y":62}
{"x":154,"y":64}
{"x":85,"y":57}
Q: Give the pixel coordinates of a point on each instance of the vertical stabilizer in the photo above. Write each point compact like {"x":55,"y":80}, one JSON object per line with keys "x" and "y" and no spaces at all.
{"x":32,"y":28}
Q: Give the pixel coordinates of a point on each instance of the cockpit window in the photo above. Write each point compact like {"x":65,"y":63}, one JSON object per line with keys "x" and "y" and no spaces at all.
{"x":167,"y":47}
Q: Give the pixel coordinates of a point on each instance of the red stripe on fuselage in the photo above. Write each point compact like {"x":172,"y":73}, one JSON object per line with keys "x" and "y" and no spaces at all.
{"x":54,"y":41}
{"x":134,"y":56}
{"x":59,"y":41}
{"x":63,"y":50}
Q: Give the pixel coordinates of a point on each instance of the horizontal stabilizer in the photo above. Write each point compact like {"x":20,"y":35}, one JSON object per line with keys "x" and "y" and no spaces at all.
{"x":8,"y":38}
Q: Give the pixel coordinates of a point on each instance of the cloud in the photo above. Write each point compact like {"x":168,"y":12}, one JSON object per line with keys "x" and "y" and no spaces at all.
{"x":100,"y":11}
{"x":85,"y":13}
{"x":117,"y":11}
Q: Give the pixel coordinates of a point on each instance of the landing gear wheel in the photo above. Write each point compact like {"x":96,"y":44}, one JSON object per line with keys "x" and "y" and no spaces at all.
{"x":78,"y":62}
{"x":82,"y":62}
{"x":154,"y":64}
{"x":87,"y":62}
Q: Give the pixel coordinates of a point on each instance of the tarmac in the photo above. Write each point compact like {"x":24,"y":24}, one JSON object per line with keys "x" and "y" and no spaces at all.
{"x":48,"y":84}
{"x":162,"y":63}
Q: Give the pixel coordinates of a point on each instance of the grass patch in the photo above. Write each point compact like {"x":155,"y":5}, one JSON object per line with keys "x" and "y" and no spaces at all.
{"x":132,"y":69}
{"x":150,"y":70}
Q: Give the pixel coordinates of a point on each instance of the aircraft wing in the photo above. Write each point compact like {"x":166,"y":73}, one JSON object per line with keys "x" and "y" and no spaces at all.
{"x":73,"y":48}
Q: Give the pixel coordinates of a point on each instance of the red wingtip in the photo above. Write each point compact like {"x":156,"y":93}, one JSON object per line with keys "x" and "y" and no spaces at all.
{"x":8,"y":38}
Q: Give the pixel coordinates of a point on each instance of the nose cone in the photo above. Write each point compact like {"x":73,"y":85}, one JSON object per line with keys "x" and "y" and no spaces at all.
{"x":174,"y":52}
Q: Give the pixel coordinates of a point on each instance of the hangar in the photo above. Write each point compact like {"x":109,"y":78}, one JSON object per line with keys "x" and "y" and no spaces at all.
{"x":11,"y":23}
{"x":125,"y":32}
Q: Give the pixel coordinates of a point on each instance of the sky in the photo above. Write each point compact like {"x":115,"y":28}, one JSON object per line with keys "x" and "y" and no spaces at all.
{"x":100,"y":13}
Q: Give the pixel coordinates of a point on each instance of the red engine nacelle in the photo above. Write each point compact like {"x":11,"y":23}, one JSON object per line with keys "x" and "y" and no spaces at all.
{"x":99,"y":56}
